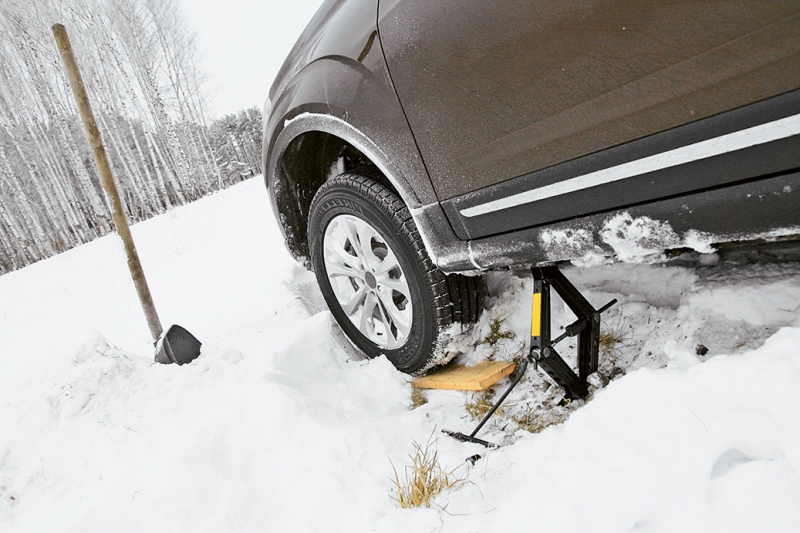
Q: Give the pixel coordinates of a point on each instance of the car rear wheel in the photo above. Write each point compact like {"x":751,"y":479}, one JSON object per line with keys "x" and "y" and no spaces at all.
{"x":377,"y":279}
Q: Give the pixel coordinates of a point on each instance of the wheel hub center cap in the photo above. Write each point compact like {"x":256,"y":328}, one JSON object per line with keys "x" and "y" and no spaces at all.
{"x":370,"y":279}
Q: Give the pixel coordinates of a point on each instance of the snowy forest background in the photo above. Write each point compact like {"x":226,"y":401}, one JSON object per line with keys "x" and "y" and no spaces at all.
{"x":139,"y":62}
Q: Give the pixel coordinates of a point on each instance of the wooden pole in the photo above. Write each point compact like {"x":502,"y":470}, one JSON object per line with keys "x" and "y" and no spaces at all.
{"x":104,"y":169}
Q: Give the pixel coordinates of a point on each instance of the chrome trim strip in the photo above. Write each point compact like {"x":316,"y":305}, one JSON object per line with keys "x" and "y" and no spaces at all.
{"x":739,"y":140}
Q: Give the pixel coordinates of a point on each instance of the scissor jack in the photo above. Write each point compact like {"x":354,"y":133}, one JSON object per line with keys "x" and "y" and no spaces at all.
{"x":542,"y":350}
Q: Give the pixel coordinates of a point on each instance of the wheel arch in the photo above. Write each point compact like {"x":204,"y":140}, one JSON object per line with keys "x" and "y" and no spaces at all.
{"x":311,"y":149}
{"x":334,"y":104}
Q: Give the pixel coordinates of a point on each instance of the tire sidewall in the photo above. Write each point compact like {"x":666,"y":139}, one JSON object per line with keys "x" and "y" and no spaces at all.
{"x":342,"y":197}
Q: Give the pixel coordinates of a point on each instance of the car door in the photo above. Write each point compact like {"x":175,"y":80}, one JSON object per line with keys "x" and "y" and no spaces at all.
{"x":510,"y":97}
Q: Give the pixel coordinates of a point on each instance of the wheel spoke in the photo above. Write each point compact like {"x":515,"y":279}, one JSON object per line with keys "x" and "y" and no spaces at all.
{"x":365,"y":236}
{"x":335,"y":269}
{"x":398,"y":285}
{"x":337,"y":250}
{"x":391,"y":338}
{"x":351,"y":232}
{"x":388,"y":264}
{"x":394,"y":316}
{"x":369,"y":309}
{"x":354,"y":302}
{"x":403,"y":328}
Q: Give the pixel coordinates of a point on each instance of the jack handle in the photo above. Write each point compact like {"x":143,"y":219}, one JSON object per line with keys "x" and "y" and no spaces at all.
{"x":523,"y":366}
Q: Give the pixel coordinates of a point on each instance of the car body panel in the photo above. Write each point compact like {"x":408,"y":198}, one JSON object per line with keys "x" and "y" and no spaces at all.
{"x":751,"y":162}
{"x":498,"y":90}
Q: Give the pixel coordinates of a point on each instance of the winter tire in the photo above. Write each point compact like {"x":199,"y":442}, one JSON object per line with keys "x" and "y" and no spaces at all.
{"x":377,"y":279}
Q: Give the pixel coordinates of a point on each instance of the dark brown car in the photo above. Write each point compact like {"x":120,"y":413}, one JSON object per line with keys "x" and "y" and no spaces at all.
{"x":410,"y":145}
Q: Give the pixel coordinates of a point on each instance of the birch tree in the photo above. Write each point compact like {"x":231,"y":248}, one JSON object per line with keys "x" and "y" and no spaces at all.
{"x":139,"y":63}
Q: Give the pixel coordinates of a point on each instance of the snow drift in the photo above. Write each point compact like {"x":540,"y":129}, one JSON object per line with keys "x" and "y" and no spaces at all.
{"x":280,"y":426}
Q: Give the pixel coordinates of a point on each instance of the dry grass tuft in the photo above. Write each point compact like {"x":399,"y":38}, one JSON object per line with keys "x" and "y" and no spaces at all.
{"x":480,"y":404}
{"x":418,"y":398}
{"x":613,"y":337}
{"x":495,"y":334}
{"x":534,"y":422}
{"x":424,"y":478}
{"x":530,"y":421}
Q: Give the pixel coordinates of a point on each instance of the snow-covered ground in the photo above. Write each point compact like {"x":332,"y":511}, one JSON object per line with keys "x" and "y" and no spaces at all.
{"x":279,"y":426}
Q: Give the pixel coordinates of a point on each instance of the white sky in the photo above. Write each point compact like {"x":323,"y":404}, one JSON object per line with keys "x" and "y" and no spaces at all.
{"x":243,"y":44}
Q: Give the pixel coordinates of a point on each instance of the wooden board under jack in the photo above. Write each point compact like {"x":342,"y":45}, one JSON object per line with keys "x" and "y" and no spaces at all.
{"x":460,"y":377}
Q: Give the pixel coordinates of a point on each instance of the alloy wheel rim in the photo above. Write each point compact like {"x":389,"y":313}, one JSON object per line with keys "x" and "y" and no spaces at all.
{"x":368,"y":281}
